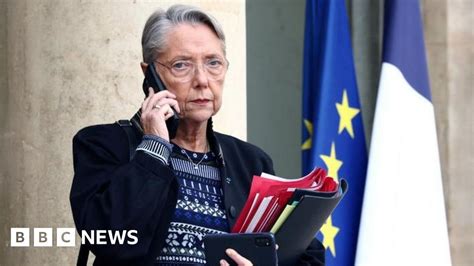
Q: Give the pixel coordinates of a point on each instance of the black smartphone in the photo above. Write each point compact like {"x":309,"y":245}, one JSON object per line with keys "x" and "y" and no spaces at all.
{"x":259,"y":248}
{"x":152,"y":79}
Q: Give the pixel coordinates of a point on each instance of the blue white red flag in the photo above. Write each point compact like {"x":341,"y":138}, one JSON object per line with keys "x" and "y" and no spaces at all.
{"x":403,"y":217}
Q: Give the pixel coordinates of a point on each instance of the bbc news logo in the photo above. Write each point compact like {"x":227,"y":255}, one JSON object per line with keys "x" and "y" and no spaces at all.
{"x":66,"y":237}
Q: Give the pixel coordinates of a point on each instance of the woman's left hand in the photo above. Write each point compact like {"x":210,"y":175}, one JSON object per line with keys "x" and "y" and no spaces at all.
{"x":241,"y":261}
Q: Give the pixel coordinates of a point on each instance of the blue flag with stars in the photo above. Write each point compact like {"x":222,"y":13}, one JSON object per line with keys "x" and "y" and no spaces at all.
{"x":333,"y":133}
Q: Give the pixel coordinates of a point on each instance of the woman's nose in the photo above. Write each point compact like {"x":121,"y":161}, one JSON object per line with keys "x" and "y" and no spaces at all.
{"x":200,"y":75}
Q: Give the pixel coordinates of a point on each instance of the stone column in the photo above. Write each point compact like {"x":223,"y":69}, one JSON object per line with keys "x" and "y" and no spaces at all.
{"x":366,"y":18}
{"x":460,"y":102}
{"x":65,"y":65}
{"x":449,"y":37}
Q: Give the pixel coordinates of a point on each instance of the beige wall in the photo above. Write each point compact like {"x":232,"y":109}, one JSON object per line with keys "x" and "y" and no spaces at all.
{"x":65,"y":65}
{"x":449,"y":40}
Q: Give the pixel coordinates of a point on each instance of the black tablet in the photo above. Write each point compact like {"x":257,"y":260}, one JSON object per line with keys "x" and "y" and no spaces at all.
{"x":259,"y":248}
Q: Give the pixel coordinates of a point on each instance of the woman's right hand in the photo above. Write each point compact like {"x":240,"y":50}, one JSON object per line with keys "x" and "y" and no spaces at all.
{"x":156,"y":109}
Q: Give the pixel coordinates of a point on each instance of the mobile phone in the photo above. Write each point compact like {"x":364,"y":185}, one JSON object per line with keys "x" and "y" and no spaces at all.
{"x":259,"y":248}
{"x":152,"y":79}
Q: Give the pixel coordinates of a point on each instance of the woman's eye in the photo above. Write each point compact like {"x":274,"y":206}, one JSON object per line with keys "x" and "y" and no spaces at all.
{"x":180,"y":65}
{"x":214,"y":63}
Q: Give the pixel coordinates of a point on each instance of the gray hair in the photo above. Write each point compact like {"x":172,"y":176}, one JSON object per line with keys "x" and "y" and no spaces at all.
{"x":160,"y":23}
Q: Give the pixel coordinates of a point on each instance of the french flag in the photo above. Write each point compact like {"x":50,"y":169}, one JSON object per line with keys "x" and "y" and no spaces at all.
{"x":403,"y":218}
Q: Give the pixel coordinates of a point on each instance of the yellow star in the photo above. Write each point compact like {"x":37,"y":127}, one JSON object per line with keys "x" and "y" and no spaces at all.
{"x":332,"y":163}
{"x":329,"y":233}
{"x":307,"y":143}
{"x":328,"y":230}
{"x":346,"y":114}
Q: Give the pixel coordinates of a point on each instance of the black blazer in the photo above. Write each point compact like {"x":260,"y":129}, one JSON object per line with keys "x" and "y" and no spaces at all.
{"x":112,"y":192}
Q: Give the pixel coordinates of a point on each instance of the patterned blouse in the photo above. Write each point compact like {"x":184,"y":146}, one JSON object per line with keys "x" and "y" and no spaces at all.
{"x":199,"y":210}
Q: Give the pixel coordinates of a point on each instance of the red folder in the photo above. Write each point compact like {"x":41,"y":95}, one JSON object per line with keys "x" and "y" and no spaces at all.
{"x":269,"y":195}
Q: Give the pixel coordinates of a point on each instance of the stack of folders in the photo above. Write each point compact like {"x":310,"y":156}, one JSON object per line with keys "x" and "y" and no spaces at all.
{"x":292,"y":209}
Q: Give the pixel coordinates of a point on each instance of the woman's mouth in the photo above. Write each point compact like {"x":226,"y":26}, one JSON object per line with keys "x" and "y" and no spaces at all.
{"x":201,"y":101}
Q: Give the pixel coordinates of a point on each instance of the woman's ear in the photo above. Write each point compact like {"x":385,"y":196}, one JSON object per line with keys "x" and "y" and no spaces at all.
{"x":143,"y":66}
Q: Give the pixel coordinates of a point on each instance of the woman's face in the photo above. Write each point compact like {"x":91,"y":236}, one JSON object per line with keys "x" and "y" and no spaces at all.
{"x":200,"y":97}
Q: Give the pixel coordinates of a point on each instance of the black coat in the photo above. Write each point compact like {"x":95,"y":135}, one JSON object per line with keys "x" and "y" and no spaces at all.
{"x":112,"y":192}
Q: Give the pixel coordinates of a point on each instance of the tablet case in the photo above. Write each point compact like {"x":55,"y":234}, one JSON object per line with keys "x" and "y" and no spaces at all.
{"x":245,"y":244}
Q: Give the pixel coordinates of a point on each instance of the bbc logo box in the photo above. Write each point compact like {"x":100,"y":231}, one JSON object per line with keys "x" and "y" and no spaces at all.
{"x":42,"y":237}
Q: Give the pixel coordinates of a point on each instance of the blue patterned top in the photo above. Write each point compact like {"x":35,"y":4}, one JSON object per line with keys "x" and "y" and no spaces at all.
{"x":199,"y":209}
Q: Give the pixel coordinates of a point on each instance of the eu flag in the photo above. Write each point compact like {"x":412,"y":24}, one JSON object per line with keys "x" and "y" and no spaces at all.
{"x":333,"y":134}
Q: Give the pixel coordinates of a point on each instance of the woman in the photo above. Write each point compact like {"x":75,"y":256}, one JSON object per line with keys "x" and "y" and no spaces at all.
{"x":172,"y":191}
